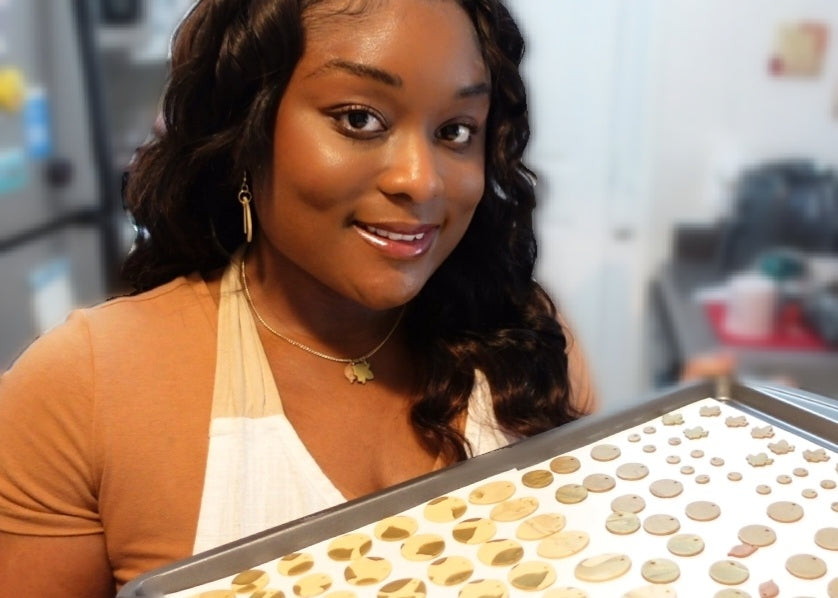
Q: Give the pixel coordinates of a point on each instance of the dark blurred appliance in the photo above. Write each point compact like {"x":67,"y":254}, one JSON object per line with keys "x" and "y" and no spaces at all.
{"x":58,"y":243}
{"x":119,"y":12}
{"x":786,"y":204}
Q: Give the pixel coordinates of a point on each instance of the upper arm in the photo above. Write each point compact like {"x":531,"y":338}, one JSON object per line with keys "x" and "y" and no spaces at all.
{"x":55,"y":567}
{"x":582,"y":393}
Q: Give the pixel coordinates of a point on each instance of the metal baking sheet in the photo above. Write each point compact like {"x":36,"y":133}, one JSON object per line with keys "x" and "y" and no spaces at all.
{"x":803,"y":414}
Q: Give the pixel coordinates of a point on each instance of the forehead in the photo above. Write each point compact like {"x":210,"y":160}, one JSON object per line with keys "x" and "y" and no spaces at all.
{"x":430,"y":31}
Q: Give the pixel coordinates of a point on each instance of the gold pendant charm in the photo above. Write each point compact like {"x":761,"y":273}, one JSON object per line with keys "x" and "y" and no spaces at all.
{"x":358,"y":371}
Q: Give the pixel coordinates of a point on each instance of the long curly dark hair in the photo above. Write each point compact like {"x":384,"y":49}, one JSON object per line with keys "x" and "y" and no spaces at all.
{"x":481,"y":310}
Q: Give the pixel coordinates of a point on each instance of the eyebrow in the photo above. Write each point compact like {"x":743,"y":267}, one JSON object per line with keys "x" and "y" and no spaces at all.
{"x":370,"y":72}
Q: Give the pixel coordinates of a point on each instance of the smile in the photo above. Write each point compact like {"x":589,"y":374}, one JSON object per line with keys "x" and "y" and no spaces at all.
{"x":393,"y":236}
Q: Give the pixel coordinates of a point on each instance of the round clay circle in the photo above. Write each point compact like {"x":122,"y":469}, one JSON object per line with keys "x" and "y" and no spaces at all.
{"x":450,"y":571}
{"x":514,"y":509}
{"x":500,"y":553}
{"x":785,"y":511}
{"x":763,"y":489}
{"x":403,"y":588}
{"x":532,"y":576}
{"x":423,"y":547}
{"x":349,"y":547}
{"x":809,"y":493}
{"x":702,"y":479}
{"x":633,"y":438}
{"x":757,"y":535}
{"x":800,"y":472}
{"x":734,"y":476}
{"x":660,"y":571}
{"x":827,"y":538}
{"x":832,"y":588}
{"x":806,"y":566}
{"x":828,"y":484}
{"x":396,"y":528}
{"x":563,"y":544}
{"x":685,"y":545}
{"x":622,"y":523}
{"x":661,"y":525}
{"x":632,"y":471}
{"x":537,"y":478}
{"x":599,"y":482}
{"x":696,"y":454}
{"x":703,"y":510}
{"x":784,"y":479}
{"x":484,"y":588}
{"x":603,"y":567}
{"x":688,"y":470}
{"x":717,"y":461}
{"x":666,"y":488}
{"x":295,"y":563}
{"x":649,"y":448}
{"x":729,"y":573}
{"x":474,"y":531}
{"x":628,"y":503}
{"x":649,"y":430}
{"x":445,"y":509}
{"x":367,"y":570}
{"x":605,"y":452}
{"x":565,"y":464}
{"x":570,"y":494}
{"x":540,"y":526}
{"x":673,"y":459}
{"x":491,"y":493}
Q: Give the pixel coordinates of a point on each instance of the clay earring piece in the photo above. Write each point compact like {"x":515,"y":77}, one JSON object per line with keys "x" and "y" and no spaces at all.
{"x":244,"y":199}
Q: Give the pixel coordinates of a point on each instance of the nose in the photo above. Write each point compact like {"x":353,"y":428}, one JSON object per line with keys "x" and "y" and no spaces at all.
{"x":413,"y":168}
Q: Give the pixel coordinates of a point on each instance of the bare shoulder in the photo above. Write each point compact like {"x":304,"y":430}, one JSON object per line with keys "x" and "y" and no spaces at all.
{"x":55,"y":567}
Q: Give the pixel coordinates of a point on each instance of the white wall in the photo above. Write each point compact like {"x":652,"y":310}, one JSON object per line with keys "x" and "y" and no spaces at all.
{"x":642,"y":112}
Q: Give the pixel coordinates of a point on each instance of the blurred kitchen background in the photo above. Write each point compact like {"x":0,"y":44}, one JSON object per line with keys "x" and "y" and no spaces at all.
{"x":687,"y":154}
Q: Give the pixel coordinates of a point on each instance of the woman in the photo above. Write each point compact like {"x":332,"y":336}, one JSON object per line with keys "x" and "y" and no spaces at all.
{"x":337,"y":215}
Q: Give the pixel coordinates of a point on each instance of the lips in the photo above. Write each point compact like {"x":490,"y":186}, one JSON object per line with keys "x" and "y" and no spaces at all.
{"x":398,"y":241}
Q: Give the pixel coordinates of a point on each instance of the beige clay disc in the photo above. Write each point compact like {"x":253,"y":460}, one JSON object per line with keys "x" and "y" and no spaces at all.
{"x":395,"y":529}
{"x":685,"y":545}
{"x":666,"y":488}
{"x":660,"y":571}
{"x":514,"y":509}
{"x":717,"y":461}
{"x":763,"y":489}
{"x":484,"y":588}
{"x":491,"y":493}
{"x":532,"y":576}
{"x":828,"y":484}
{"x":563,"y":544}
{"x":632,"y":471}
{"x":603,"y":567}
{"x":688,"y":470}
{"x":634,"y":437}
{"x":649,"y":430}
{"x":806,"y":566}
{"x":605,"y":452}
{"x":784,"y":479}
{"x":674,"y":441}
{"x":450,"y":571}
{"x":809,"y":493}
{"x":599,"y":482}
{"x":570,"y":494}
{"x":834,"y":506}
{"x":445,"y":509}
{"x":423,"y":547}
{"x":403,"y":588}
{"x":800,"y":472}
{"x":731,"y":593}
{"x":696,"y":453}
{"x":785,"y":511}
{"x":249,"y":581}
{"x":312,"y":585}
{"x":757,"y":535}
{"x":565,"y":464}
{"x":349,"y":547}
{"x":703,"y":510}
{"x":661,"y":525}
{"x":653,"y":591}
{"x":832,"y":588}
{"x":367,"y":570}
{"x":500,"y":553}
{"x":827,"y":538}
{"x":295,"y":563}
{"x":565,"y":592}
{"x":540,"y":526}
{"x":537,"y":478}
{"x":734,"y":476}
{"x":649,"y":448}
{"x":702,"y":479}
{"x":673,"y":459}
{"x":628,"y":503}
{"x":730,"y":573}
{"x":474,"y":531}
{"x":622,"y":524}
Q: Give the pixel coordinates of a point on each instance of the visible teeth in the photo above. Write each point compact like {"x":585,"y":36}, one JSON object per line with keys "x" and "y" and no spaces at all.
{"x":394,"y":236}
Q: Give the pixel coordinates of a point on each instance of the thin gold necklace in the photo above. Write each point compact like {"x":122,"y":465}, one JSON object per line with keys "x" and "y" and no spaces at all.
{"x":357,"y":369}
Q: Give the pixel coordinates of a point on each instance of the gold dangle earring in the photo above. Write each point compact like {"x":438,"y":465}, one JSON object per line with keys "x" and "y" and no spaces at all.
{"x":245,"y":196}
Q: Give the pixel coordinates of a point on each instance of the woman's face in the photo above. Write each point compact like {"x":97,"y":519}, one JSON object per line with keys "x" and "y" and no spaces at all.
{"x":379,"y":147}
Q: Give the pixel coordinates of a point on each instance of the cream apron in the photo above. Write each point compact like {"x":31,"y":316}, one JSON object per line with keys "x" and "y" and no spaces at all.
{"x":258,"y":473}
